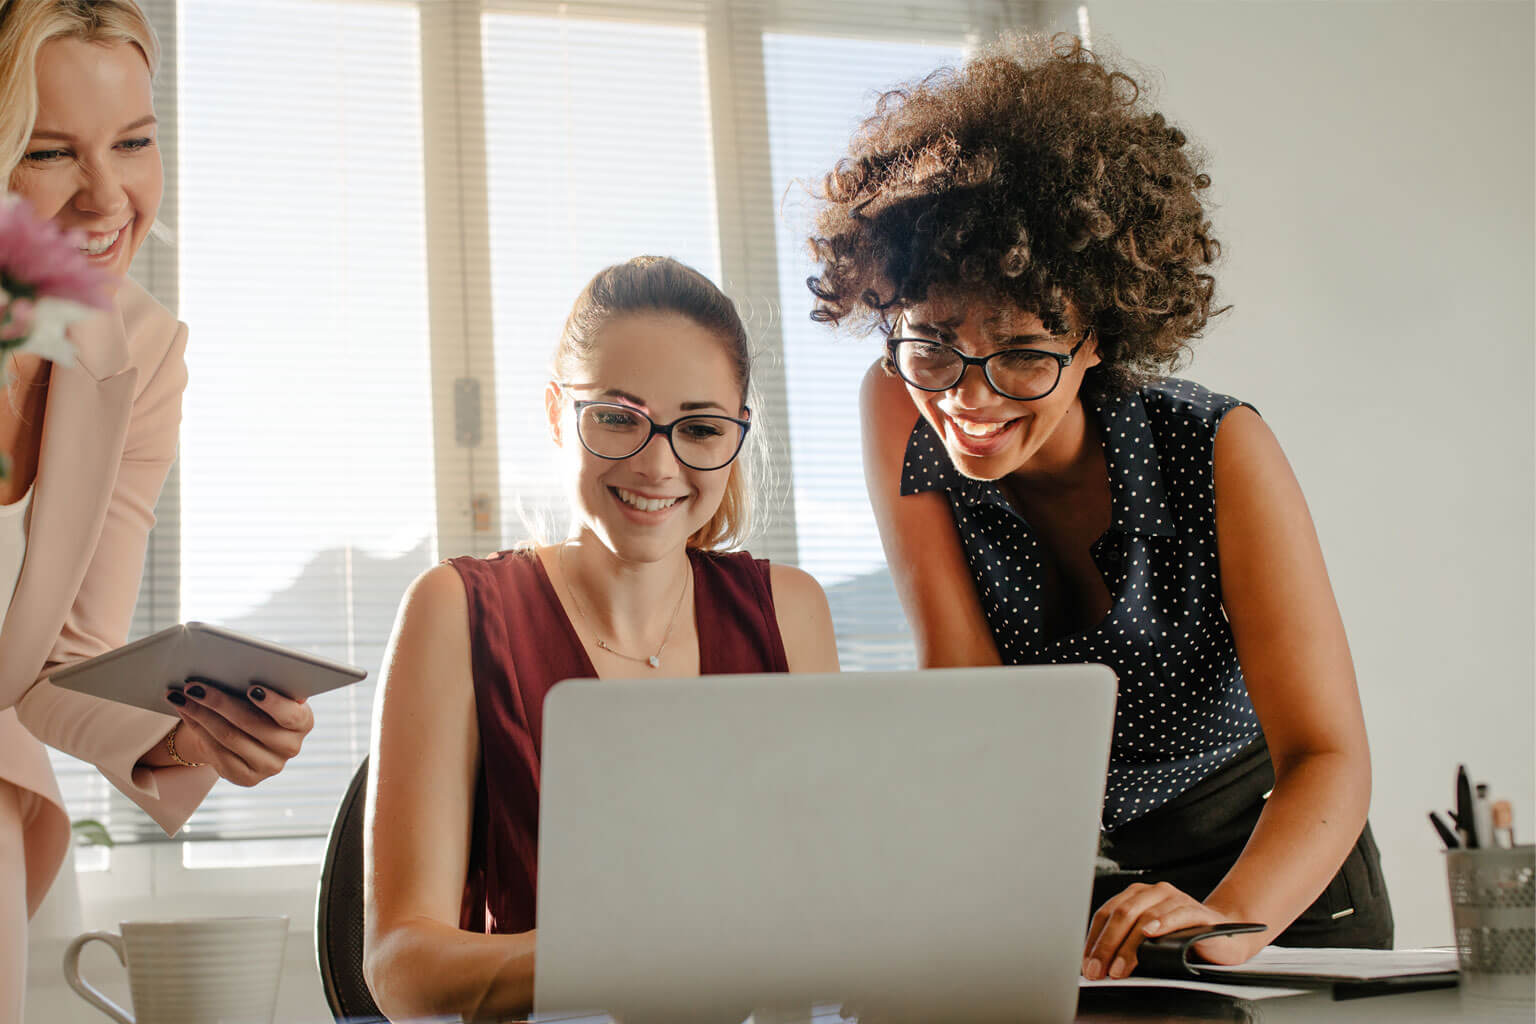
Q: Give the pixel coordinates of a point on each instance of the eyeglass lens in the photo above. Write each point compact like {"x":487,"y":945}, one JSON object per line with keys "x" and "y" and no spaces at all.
{"x":1017,"y":373}
{"x":617,"y":432}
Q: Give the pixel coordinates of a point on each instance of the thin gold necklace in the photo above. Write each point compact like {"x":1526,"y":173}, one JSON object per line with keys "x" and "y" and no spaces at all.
{"x":654,"y":661}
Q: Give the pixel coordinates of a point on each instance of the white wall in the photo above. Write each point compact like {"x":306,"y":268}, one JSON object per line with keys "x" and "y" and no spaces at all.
{"x":1372,"y":163}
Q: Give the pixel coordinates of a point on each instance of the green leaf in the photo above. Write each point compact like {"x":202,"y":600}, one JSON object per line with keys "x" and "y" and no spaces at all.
{"x":89,"y":832}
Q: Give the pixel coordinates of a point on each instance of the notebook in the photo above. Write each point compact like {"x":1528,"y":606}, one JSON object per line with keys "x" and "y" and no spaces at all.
{"x":918,"y":845}
{"x":1349,"y":973}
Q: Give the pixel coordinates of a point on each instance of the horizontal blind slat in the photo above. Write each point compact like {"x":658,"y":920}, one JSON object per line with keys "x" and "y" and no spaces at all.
{"x":310,"y":482}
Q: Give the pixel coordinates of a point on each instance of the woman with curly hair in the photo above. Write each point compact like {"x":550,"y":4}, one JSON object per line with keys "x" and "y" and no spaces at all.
{"x":1031,"y":237}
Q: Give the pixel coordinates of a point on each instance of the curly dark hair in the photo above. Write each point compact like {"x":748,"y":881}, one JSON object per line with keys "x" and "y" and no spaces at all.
{"x":1033,"y":174}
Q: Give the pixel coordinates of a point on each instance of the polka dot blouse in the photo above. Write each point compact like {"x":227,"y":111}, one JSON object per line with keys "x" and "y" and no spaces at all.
{"x":1183,"y":709}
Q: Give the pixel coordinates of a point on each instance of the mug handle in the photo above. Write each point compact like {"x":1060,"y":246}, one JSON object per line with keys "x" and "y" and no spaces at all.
{"x":85,"y":989}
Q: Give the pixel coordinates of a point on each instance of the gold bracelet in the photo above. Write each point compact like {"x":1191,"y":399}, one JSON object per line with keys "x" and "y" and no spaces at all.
{"x":170,"y":748}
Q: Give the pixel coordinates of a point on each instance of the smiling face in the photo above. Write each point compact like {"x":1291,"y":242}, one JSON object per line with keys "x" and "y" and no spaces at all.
{"x":645,"y":507}
{"x":92,"y":164}
{"x":986,"y":435}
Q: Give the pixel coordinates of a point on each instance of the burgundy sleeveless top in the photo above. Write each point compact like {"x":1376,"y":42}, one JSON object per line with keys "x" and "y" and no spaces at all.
{"x":521,"y":644}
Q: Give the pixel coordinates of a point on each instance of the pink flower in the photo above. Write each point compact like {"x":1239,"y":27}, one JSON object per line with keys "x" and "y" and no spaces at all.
{"x":40,"y":261}
{"x":16,"y":319}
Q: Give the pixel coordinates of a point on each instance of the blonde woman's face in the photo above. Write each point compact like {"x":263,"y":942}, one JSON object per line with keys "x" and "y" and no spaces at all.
{"x":92,"y":164}
{"x":645,"y":507}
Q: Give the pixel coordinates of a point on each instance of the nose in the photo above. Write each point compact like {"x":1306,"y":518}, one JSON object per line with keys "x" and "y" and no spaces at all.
{"x":656,"y":460}
{"x":100,"y":190}
{"x":972,"y":389}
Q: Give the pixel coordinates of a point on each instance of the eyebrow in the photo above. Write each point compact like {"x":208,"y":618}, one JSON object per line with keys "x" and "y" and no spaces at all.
{"x":992,"y":327}
{"x":929,"y":325}
{"x":636,"y":400}
{"x":48,"y":133}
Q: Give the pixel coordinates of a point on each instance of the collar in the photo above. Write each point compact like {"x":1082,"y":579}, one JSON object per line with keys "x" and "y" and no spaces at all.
{"x":1138,"y":497}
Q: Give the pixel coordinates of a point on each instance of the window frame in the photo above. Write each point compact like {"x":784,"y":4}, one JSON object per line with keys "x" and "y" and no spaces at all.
{"x":461,"y":330}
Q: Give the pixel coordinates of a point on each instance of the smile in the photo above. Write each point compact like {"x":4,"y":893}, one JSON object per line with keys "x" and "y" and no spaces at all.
{"x":100,"y":244}
{"x":980,"y":428}
{"x":104,"y":243}
{"x":643,"y":503}
{"x":979,"y":438}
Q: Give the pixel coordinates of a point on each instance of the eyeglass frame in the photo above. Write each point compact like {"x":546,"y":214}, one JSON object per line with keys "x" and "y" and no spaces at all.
{"x":1063,"y":360}
{"x":665,"y":430}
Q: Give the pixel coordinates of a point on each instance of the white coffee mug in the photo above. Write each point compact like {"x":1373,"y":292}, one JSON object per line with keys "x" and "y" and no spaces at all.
{"x":216,"y":970}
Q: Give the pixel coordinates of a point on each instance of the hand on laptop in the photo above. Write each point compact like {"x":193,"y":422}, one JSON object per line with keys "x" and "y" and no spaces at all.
{"x":1145,"y":911}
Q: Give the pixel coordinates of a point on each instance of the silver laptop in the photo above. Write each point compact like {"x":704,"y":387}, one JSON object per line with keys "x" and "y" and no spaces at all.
{"x":911,"y":844}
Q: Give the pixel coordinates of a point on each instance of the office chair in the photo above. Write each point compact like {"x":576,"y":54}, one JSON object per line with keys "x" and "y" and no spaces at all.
{"x":339,"y":912}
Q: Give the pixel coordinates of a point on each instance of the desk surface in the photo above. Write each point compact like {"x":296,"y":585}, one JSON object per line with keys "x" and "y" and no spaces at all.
{"x":1169,"y":1006}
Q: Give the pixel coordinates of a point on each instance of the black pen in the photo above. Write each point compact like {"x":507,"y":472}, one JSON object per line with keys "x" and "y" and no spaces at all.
{"x":1446,"y":835}
{"x":1465,"y":816}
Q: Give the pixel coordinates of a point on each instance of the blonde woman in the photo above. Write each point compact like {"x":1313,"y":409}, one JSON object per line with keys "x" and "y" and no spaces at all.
{"x":648,"y":408}
{"x":91,"y":445}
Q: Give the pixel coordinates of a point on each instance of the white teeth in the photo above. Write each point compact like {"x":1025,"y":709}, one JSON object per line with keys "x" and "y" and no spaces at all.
{"x":97,"y":246}
{"x":644,"y":504}
{"x":973,"y":429}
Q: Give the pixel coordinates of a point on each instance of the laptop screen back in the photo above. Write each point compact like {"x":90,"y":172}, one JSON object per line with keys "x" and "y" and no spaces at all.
{"x":918,"y":841}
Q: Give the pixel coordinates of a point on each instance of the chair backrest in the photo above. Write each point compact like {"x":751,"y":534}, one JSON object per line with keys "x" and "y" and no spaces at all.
{"x":339,"y":911}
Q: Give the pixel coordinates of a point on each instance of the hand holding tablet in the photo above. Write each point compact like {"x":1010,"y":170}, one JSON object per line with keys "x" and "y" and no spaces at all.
{"x":241,"y":700}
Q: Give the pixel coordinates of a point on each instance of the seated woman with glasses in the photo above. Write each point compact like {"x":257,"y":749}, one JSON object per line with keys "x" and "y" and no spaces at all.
{"x":1031,"y":235}
{"x":648,"y":410}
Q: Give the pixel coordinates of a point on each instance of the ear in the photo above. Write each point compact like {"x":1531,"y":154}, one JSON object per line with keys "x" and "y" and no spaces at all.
{"x":554,"y":404}
{"x":1091,"y":350}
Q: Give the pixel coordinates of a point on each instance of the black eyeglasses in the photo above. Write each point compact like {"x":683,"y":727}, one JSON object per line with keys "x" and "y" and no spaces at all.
{"x":1022,"y":374}
{"x":613,"y":431}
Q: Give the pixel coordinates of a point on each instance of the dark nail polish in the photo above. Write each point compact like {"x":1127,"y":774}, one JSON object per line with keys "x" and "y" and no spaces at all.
{"x":257,"y":693}
{"x":196,"y":692}
{"x":176,"y":697}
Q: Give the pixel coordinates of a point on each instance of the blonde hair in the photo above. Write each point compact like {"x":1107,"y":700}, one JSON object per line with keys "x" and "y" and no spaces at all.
{"x":25,"y":25}
{"x":662,"y":284}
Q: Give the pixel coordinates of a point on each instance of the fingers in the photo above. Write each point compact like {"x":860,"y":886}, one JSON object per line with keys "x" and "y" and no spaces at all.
{"x":259,"y":717}
{"x":246,"y":738}
{"x":197,"y":745}
{"x":1140,"y":911}
{"x":293,"y":715}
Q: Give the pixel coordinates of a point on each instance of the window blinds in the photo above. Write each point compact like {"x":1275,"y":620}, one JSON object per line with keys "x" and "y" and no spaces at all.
{"x":384,"y":211}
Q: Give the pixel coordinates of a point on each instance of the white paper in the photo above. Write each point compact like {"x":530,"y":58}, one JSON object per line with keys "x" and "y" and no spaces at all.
{"x":1347,"y":964}
{"x":1195,"y":985}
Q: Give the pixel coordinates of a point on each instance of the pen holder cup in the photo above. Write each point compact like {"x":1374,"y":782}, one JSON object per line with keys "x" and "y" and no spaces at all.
{"x":1493,"y":909}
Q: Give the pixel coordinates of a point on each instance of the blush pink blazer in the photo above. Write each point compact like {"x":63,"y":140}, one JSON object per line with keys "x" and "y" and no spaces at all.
{"x":109,"y":436}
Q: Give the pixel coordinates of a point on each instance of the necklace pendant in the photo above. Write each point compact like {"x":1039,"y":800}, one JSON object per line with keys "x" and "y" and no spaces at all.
{"x":654,"y":661}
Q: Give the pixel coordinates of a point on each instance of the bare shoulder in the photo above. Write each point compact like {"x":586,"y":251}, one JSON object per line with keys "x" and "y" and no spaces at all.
{"x":793,"y":584}
{"x":431,"y":636}
{"x":1242,"y":430}
{"x":885,"y":404}
{"x":438,"y":585}
{"x":804,"y":618}
{"x":1248,"y":459}
{"x":435,"y":601}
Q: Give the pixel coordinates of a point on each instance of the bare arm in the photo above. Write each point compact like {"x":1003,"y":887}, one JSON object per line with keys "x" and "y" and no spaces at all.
{"x":1295,"y":658}
{"x":922,"y":546}
{"x":426,"y":751}
{"x":805,"y":621}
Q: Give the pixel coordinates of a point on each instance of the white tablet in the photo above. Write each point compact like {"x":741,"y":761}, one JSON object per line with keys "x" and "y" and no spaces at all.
{"x":140,"y":673}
